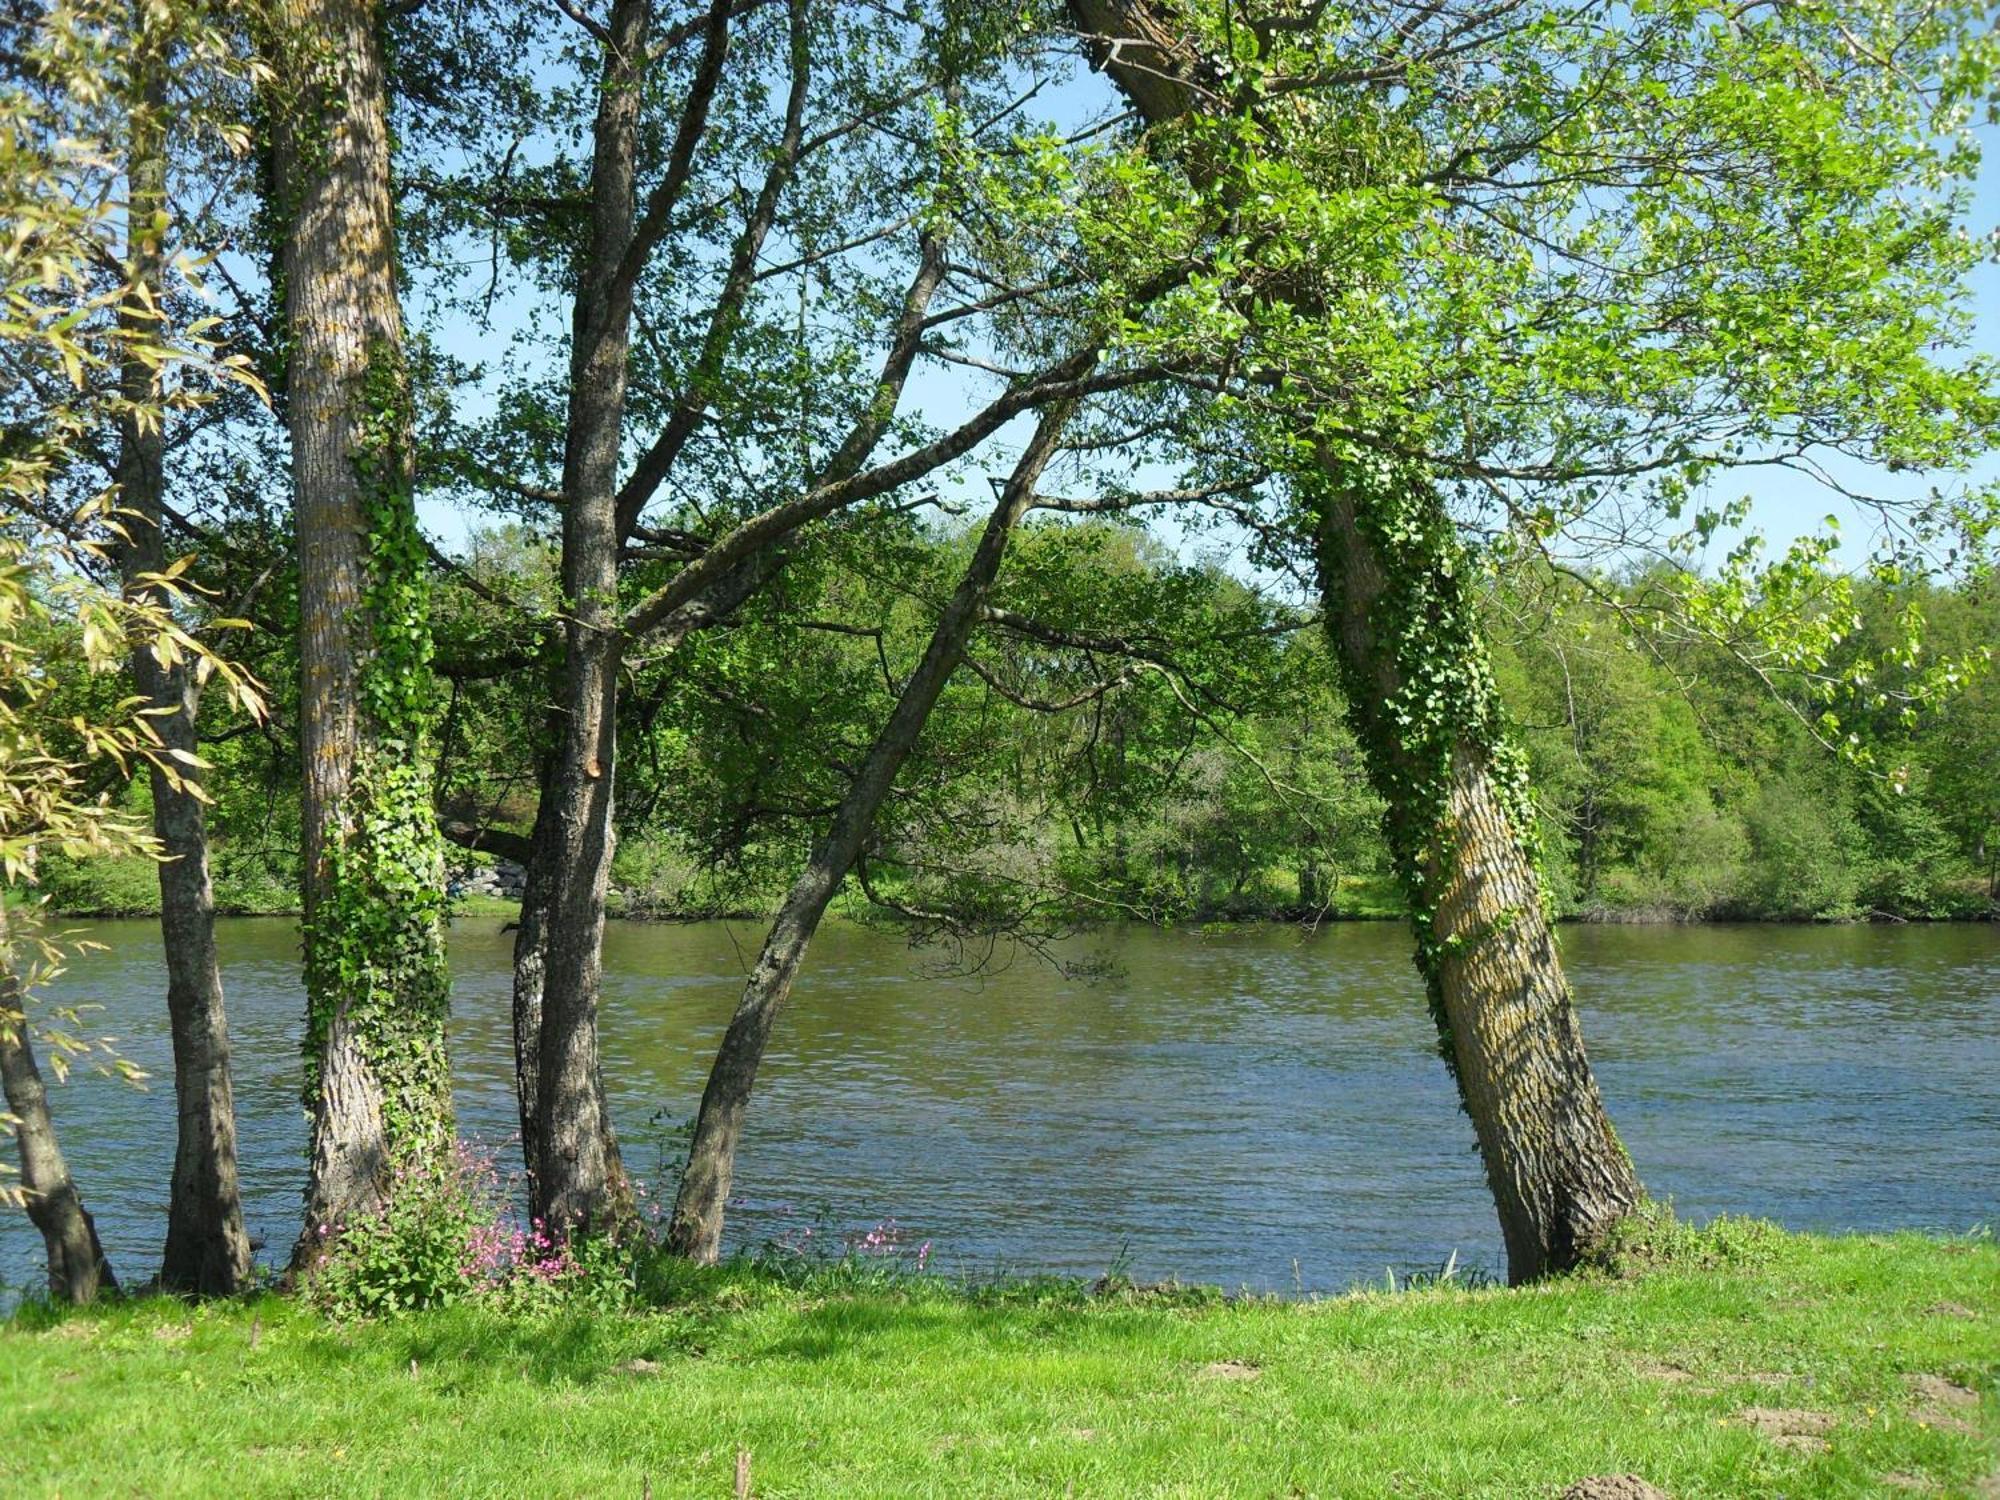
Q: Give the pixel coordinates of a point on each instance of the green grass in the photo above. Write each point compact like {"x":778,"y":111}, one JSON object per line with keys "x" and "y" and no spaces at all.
{"x":467,"y":905}
{"x":1370,"y":898}
{"x":838,"y":1387}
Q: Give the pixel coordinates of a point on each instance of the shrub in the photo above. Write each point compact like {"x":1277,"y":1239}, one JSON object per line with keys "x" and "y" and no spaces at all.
{"x":1654,"y":1238}
{"x":452,"y":1233}
{"x":1801,"y":863}
{"x":101,"y":886}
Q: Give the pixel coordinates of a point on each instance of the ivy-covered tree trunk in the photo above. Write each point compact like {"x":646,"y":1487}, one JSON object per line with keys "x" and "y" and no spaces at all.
{"x":1421,"y":700}
{"x":695,"y":1230}
{"x":78,"y":1270}
{"x":578,"y":1180}
{"x":377,"y":990}
{"x":207,"y":1251}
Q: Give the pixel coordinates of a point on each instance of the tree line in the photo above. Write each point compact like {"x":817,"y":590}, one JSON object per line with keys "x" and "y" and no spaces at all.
{"x":1452,"y":318}
{"x":1049,"y":791}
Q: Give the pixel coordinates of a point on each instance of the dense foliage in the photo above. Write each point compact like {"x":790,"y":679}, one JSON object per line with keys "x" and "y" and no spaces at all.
{"x":1196,"y":766}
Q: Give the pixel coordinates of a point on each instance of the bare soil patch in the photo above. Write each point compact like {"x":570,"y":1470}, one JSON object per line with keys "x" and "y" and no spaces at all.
{"x":1951,"y":1310}
{"x":1614,"y":1487}
{"x":1671,"y":1373}
{"x":1231,"y":1369}
{"x":1790,"y":1426}
{"x":1943,"y":1392}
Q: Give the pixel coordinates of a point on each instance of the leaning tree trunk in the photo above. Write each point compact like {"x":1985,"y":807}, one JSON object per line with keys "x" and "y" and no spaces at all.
{"x":578,"y":1181}
{"x":1421,"y":698}
{"x":377,"y":991}
{"x":695,"y":1230}
{"x":207,"y":1250}
{"x":78,"y":1270}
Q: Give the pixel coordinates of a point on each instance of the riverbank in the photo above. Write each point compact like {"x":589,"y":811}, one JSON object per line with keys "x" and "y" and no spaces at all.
{"x":110,"y":889}
{"x":1738,"y":1361}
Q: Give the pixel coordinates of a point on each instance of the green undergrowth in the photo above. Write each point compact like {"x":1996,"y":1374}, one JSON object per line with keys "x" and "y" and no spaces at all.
{"x":109,"y":887}
{"x":1735,"y":1361}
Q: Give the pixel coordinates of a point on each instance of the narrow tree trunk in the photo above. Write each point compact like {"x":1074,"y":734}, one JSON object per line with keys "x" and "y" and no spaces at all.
{"x":78,"y":1270}
{"x":543,"y":868}
{"x":1420,"y":696}
{"x":579,"y":1181}
{"x":531,"y":957}
{"x":695,"y":1230}
{"x":1404,"y":627}
{"x":377,"y":991}
{"x":207,"y":1251}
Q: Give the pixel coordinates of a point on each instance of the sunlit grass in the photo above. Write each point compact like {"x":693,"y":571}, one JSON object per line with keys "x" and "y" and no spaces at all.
{"x":1882,"y":1353}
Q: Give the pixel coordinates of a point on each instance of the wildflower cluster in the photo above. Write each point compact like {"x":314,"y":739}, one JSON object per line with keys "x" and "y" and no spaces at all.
{"x":888,"y":1241}
{"x":451,"y":1231}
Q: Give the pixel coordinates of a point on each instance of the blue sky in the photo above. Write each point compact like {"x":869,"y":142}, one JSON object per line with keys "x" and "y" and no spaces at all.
{"x":1785,"y":504}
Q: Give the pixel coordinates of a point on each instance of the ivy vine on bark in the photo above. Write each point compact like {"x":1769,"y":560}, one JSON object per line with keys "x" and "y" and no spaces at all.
{"x":377,"y":945}
{"x":1440,"y":701}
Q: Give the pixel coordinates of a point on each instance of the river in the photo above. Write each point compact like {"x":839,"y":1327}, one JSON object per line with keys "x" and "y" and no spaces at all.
{"x":1254,"y":1108}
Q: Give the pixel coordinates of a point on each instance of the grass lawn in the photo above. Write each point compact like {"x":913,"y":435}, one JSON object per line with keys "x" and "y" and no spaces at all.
{"x":1745,"y":1363}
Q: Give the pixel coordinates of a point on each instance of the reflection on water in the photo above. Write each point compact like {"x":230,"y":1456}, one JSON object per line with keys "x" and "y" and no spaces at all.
{"x":1259,"y":1108}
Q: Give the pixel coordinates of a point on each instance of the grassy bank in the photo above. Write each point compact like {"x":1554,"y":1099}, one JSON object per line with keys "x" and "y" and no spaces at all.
{"x":1747,"y":1363}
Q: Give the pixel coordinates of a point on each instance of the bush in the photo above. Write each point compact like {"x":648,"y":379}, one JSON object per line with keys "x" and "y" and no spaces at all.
{"x":246,"y":884}
{"x":253,"y":883}
{"x":1913,"y":865}
{"x":1800,"y":862}
{"x":1653,"y":1238}
{"x":103,"y":886}
{"x":655,"y":877}
{"x":451,"y":1233}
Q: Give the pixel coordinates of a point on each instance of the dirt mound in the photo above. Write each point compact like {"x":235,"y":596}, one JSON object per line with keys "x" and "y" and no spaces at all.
{"x":1944,"y":1392}
{"x":1951,"y":1310}
{"x":1231,"y":1369}
{"x":1790,"y":1427}
{"x":1943,"y":1404}
{"x":1614,"y":1487}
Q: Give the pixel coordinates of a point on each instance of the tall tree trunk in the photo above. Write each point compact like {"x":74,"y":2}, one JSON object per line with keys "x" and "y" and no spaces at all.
{"x":1420,"y":696}
{"x":377,"y":991}
{"x":207,"y":1251}
{"x":579,"y":1181}
{"x":695,"y":1230}
{"x":78,"y":1270}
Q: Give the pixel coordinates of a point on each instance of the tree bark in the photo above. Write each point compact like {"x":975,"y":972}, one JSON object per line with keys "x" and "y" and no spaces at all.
{"x":78,"y":1270}
{"x":695,"y":1230}
{"x":1507,"y":1023}
{"x":377,"y":994}
{"x":207,"y":1251}
{"x":578,"y":1179}
{"x":531,"y":957}
{"x":1559,"y":1176}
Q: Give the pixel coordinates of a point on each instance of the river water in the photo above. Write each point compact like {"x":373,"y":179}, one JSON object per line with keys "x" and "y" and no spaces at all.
{"x":1254,"y":1108}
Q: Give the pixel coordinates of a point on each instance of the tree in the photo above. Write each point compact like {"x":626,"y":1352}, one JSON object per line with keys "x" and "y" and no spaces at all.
{"x":207,"y":1250}
{"x":773,"y":427}
{"x":1422,"y":702}
{"x":377,"y":990}
{"x":78,"y":1268}
{"x":73,"y":343}
{"x":1525,"y":259}
{"x":695,"y":1230}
